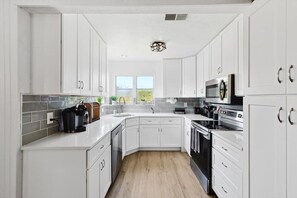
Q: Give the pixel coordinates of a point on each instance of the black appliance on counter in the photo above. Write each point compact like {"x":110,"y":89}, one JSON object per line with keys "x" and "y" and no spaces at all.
{"x":201,"y":142}
{"x":179,"y":110}
{"x":74,"y":118}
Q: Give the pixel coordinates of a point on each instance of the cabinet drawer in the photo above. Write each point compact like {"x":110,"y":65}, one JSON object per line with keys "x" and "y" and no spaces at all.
{"x":232,"y":173}
{"x":97,"y":150}
{"x":222,"y":189}
{"x":231,"y":152}
{"x":132,"y":122}
{"x":149,"y":121}
{"x":170,"y":120}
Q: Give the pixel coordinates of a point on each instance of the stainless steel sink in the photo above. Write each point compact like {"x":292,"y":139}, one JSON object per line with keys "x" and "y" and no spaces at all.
{"x":122,"y":115}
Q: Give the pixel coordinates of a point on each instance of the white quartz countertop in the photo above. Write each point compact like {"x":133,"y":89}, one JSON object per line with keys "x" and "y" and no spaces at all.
{"x":234,"y":138}
{"x":94,"y":132}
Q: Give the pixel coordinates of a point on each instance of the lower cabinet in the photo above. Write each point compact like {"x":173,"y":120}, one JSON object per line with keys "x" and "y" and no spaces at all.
{"x":171,"y":136}
{"x":99,"y":176}
{"x":149,"y":136}
{"x":132,"y":138}
{"x":187,"y":136}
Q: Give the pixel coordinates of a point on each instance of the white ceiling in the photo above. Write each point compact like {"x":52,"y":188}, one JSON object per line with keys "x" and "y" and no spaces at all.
{"x":132,"y":34}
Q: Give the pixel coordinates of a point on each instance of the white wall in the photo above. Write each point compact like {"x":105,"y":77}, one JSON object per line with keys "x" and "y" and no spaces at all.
{"x":137,"y":68}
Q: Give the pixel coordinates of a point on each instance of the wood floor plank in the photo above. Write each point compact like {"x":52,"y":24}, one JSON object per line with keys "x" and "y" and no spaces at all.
{"x":156,"y":175}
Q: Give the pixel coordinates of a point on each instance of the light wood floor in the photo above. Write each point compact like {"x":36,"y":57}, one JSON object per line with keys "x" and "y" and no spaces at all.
{"x":156,"y":175}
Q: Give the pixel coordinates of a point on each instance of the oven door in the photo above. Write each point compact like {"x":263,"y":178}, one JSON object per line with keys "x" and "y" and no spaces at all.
{"x":201,"y":150}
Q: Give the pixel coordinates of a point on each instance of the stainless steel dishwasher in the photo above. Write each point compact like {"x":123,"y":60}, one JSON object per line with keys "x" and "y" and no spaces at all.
{"x":116,"y":151}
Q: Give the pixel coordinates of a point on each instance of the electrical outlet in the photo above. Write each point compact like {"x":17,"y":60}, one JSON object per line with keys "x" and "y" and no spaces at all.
{"x":49,"y":116}
{"x":185,"y":104}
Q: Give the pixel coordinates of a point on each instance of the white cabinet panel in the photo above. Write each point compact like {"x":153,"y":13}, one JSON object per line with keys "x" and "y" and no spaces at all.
{"x":170,"y":136}
{"x":132,"y":138}
{"x":266,"y":73}
{"x":93,"y":184}
{"x":105,"y":172}
{"x":172,"y":77}
{"x":200,"y":74}
{"x":187,"y":136}
{"x":103,"y":66}
{"x":69,"y":54}
{"x":206,"y":65}
{"x":189,"y":77}
{"x":96,"y":59}
{"x":291,"y":147}
{"x":239,"y":67}
{"x":266,"y":132}
{"x":292,"y":46}
{"x":216,"y":57}
{"x":84,"y":54}
{"x":149,"y":136}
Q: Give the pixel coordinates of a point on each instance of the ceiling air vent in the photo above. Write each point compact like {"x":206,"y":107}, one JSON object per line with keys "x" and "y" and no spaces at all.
{"x":175,"y":17}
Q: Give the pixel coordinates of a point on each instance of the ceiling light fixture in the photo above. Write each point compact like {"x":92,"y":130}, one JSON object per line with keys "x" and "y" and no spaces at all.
{"x":158,"y":46}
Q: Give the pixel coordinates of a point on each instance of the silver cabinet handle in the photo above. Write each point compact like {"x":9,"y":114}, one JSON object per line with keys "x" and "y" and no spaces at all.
{"x":103,"y":163}
{"x":224,"y":165}
{"x":83,"y":84}
{"x":101,"y":166}
{"x":102,"y":147}
{"x":278,"y":114}
{"x":218,"y":70}
{"x":224,"y":148}
{"x":278,"y":72}
{"x":290,"y":74}
{"x":224,"y":190}
{"x":79,"y":84}
{"x":289,"y":116}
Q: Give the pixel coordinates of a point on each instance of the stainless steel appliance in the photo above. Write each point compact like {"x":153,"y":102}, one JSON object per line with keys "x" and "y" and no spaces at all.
{"x":222,"y":91}
{"x":116,"y":151}
{"x":201,"y":142}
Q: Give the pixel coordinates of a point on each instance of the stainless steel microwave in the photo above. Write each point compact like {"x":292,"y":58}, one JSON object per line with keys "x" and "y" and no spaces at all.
{"x":221,"y":91}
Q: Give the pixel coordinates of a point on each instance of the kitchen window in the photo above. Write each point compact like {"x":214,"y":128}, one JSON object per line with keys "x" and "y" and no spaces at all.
{"x":140,"y":87}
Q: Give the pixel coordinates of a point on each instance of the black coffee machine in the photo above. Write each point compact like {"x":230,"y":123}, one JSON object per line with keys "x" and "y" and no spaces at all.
{"x":74,"y":118}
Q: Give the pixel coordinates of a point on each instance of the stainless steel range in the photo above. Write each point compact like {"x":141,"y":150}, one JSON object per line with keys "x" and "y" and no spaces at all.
{"x":201,"y":142}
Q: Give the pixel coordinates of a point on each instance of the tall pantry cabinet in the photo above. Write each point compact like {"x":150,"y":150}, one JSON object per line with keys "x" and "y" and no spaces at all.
{"x":271,"y":102}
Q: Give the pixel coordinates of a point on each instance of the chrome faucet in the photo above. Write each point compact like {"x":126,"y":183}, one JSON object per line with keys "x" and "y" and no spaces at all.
{"x":121,"y":99}
{"x":153,"y":111}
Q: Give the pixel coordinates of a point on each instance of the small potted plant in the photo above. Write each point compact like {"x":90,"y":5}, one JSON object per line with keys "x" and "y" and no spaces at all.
{"x":113,"y":100}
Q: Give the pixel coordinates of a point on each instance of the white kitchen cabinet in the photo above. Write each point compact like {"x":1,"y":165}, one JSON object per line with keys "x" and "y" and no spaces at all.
{"x":105,"y":172}
{"x":149,"y":136}
{"x":187,"y":136}
{"x":291,"y":46}
{"x":123,"y":143}
{"x":239,"y":67}
{"x":189,"y":76}
{"x":216,"y":57}
{"x":265,"y":131}
{"x":103,"y":67}
{"x":99,"y":176}
{"x":170,"y":136}
{"x":172,"y":77}
{"x":84,"y":55}
{"x":229,"y":49}
{"x":132,"y":138}
{"x":291,"y":147}
{"x":200,"y":74}
{"x":206,"y":65}
{"x":96,"y":64}
{"x":266,"y":43}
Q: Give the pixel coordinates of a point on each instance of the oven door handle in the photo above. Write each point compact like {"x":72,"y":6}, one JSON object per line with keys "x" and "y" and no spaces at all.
{"x":197,"y":141}
{"x":203,"y":133}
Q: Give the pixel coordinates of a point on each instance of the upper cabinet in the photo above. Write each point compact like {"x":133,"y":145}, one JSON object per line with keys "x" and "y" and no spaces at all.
{"x":172,"y":78}
{"x":202,"y":60}
{"x":292,"y":46}
{"x":216,"y":57}
{"x":189,"y":77}
{"x":265,"y":67}
{"x":67,"y":56}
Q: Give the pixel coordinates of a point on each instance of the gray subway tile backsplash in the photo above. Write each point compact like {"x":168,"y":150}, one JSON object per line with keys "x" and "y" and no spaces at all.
{"x":34,"y":106}
{"x":30,"y":127}
{"x":31,"y":137}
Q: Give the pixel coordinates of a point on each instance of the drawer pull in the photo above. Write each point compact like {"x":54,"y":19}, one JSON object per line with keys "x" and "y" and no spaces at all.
{"x":224,"y":165}
{"x":102,"y":147}
{"x":224,"y":190}
{"x":224,"y":148}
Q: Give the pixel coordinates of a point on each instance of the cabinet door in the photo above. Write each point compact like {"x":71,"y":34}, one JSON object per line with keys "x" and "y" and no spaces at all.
{"x":149,"y":136}
{"x":84,"y":55}
{"x":170,"y":136}
{"x":187,"y":136}
{"x":292,"y":46}
{"x":70,"y":83}
{"x":132,"y":138}
{"x":291,"y":147}
{"x":103,"y":55}
{"x":239,"y":67}
{"x":200,"y":74}
{"x":124,"y":143}
{"x":216,"y":56}
{"x":172,"y":76}
{"x":96,"y":64}
{"x":93,"y":183}
{"x":105,"y":172}
{"x":206,"y":65}
{"x":266,"y":69}
{"x":266,"y":132}
{"x":229,"y":49}
{"x":189,"y":77}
